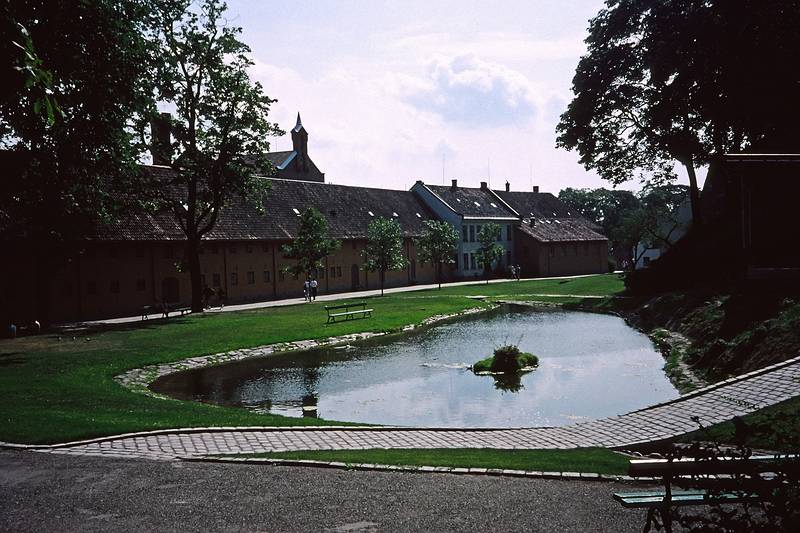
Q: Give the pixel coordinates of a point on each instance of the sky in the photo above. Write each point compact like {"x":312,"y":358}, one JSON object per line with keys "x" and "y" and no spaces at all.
{"x":394,"y":92}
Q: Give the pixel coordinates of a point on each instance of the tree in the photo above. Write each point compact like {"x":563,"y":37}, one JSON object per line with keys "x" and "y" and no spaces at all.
{"x":311,"y":245}
{"x":77,"y":77}
{"x":656,"y":221}
{"x":384,"y":250}
{"x":437,"y":244}
{"x":489,"y":251}
{"x":221,"y":121}
{"x":685,"y":81}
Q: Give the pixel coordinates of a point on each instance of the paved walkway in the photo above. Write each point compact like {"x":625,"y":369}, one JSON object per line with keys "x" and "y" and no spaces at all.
{"x":336,"y":296}
{"x":717,"y":403}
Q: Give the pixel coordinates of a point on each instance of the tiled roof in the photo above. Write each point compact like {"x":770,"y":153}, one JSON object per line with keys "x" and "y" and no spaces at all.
{"x":349,"y":210}
{"x":471,"y":202}
{"x":560,"y":230}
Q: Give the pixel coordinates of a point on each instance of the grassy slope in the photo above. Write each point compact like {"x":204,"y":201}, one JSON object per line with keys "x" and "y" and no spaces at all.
{"x":54,"y":391}
{"x":596,"y":460}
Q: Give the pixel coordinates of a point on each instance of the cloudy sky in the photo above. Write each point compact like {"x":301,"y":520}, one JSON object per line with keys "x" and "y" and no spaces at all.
{"x":392,"y":92}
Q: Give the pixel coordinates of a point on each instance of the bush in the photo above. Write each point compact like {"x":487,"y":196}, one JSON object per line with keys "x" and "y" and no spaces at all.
{"x":507,"y":359}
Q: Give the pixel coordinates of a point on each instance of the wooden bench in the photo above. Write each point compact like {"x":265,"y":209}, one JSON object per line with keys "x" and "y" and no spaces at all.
{"x":147,"y":310}
{"x":351,"y":310}
{"x":719,"y":481}
{"x":175,"y":307}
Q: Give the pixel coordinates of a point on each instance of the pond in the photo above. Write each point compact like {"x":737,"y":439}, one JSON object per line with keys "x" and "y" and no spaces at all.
{"x":590,"y":366}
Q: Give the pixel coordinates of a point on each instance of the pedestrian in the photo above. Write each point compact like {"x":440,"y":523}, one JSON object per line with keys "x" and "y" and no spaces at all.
{"x":513,"y":272}
{"x":519,"y":272}
{"x":307,"y":290}
{"x":314,"y":289}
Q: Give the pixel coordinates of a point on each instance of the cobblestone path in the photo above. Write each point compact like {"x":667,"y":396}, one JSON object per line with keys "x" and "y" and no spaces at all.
{"x":717,"y":403}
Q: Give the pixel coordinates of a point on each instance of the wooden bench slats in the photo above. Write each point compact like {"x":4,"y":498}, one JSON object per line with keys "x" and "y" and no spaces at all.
{"x":350,"y":311}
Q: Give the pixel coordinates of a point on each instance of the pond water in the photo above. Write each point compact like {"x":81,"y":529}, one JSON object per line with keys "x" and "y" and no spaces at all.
{"x":590,"y":366}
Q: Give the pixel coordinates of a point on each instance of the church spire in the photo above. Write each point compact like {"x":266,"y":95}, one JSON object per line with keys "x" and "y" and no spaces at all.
{"x":299,"y":125}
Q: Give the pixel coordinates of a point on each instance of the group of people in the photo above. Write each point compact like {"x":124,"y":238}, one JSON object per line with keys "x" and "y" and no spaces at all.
{"x":515,"y":271}
{"x":310,"y":289}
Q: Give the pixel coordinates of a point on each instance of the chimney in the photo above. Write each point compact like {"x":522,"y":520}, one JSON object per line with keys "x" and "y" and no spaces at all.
{"x":160,"y":141}
{"x":454,"y":184}
{"x":535,"y":188}
{"x":484,"y":186}
{"x":508,"y":186}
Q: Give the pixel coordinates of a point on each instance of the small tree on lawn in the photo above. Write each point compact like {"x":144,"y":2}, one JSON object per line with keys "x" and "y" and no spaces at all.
{"x":489,"y":251}
{"x":384,"y":250}
{"x":437,"y":245}
{"x":311,"y":245}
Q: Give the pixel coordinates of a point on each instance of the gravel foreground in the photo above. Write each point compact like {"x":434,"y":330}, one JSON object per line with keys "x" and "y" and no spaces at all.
{"x":50,"y":492}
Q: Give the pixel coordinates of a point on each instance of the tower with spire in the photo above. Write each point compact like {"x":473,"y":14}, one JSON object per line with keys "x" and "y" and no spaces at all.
{"x":300,"y":145}
{"x":296,"y":164}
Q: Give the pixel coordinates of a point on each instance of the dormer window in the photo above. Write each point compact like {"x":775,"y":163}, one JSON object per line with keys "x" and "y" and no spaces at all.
{"x":371,"y":213}
{"x":418,"y":215}
{"x":395,"y":214}
{"x":493,"y":204}
{"x":296,"y":212}
{"x":476,"y":204}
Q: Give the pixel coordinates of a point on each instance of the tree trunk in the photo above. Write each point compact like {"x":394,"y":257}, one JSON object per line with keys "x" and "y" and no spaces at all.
{"x":694,"y":192}
{"x":439,"y":274}
{"x":192,"y":257}
{"x":383,"y":275}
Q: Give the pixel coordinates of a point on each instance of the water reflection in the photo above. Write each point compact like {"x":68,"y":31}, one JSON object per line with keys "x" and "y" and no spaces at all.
{"x":590,"y":366}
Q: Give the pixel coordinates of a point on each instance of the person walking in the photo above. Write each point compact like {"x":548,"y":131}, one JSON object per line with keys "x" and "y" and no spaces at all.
{"x":307,"y":290}
{"x":314,"y":285}
{"x":519,"y":272}
{"x":513,"y":272}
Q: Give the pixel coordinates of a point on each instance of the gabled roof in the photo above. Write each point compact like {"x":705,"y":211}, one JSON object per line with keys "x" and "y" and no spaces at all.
{"x":553,"y":220}
{"x":472,"y":203}
{"x":348,"y":210}
{"x":560,"y":230}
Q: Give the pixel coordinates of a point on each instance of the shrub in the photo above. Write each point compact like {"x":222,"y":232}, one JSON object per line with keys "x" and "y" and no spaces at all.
{"x":507,"y":359}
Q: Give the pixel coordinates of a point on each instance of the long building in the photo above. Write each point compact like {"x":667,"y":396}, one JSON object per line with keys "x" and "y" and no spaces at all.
{"x":137,"y":260}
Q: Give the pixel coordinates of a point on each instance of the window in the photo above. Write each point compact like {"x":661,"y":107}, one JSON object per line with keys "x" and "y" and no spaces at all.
{"x":141,"y":284}
{"x":296,"y":212}
{"x":234,"y":278}
{"x":338,"y":272}
{"x":267,"y":276}
{"x":466,"y":261}
{"x":215,"y":280}
{"x":472,"y":233}
{"x":251,"y":278}
{"x":91,"y":287}
{"x":477,"y":229}
{"x":465,"y":233}
{"x":333,"y":272}
{"x":114,"y":288}
{"x":472,"y":263}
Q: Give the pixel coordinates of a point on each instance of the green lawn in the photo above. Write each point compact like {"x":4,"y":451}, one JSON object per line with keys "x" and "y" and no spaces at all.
{"x":596,"y":460}
{"x":59,"y":390}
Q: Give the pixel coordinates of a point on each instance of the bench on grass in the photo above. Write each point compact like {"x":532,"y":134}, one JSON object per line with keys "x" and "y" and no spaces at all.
{"x":720,"y":480}
{"x":351,"y":310}
{"x":175,"y":307}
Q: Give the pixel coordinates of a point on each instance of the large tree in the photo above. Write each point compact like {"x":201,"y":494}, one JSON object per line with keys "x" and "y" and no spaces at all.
{"x":77,"y":77}
{"x":384,"y":249}
{"x":437,"y":244}
{"x":220,"y":127}
{"x":683,"y":81}
{"x":489,"y":252}
{"x":311,"y":245}
{"x":657,"y":222}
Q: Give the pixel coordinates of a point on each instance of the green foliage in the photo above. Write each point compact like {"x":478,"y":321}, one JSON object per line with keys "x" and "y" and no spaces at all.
{"x":384,"y":250}
{"x":662,"y":82}
{"x":607,"y":208}
{"x":311,"y":245}
{"x":506,"y":359}
{"x":489,"y":251}
{"x":438,"y":244}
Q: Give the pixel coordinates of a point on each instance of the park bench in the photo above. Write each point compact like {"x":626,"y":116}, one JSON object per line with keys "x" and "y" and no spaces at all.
{"x":175,"y":307}
{"x":714,"y":481}
{"x":147,"y":310}
{"x":351,"y":310}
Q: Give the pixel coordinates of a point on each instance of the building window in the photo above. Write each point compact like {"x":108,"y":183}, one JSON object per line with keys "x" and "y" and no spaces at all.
{"x":234,"y":278}
{"x":472,"y":233}
{"x":251,"y":278}
{"x":114,"y":288}
{"x":91,"y":287}
{"x":472,"y":263}
{"x":464,"y":228}
{"x":141,"y":284}
{"x":215,"y":280}
{"x":466,"y":261}
{"x":267,"y":276}
{"x":478,"y":229}
{"x":333,"y":272}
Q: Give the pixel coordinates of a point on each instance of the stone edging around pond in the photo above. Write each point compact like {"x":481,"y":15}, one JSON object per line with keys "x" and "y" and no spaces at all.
{"x":139,"y":379}
{"x":531,"y":474}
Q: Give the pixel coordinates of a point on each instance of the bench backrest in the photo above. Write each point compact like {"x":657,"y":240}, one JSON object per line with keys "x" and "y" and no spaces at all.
{"x":720,"y":465}
{"x":345,"y":306}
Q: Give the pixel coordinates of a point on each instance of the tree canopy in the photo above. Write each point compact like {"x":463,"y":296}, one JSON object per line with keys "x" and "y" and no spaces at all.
{"x":489,"y":251}
{"x":384,"y":249}
{"x":221,"y":125}
{"x":437,"y":244}
{"x":683,"y":81}
{"x":311,"y":245}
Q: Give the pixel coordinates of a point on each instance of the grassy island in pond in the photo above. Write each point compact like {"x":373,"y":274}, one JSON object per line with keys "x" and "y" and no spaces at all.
{"x":507,"y":359}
